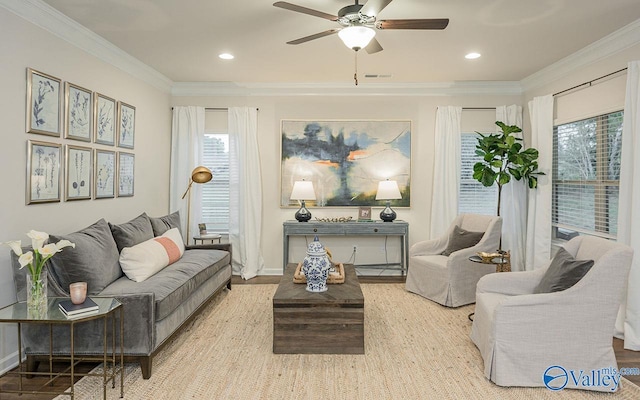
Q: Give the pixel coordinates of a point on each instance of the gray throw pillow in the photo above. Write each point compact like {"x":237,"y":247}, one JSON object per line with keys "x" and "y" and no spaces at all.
{"x":563,"y":272}
{"x":94,"y":259}
{"x":129,"y":234}
{"x":162,"y":224}
{"x":461,"y":239}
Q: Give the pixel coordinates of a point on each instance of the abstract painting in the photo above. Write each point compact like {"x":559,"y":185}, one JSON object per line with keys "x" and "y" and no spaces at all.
{"x":43,"y":169}
{"x":345,"y":160}
{"x":43,"y":103}
{"x":104,"y":174}
{"x":126,"y":163}
{"x":126,"y":125}
{"x":78,"y":106}
{"x":79,"y":172}
{"x":105,"y":116}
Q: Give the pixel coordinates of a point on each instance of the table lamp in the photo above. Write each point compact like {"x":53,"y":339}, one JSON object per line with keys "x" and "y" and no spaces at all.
{"x":388,"y":190}
{"x":303,"y":190}
{"x":198,"y":175}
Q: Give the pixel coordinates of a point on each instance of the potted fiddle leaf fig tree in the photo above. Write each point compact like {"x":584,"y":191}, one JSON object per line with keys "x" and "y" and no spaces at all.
{"x":503,"y":157}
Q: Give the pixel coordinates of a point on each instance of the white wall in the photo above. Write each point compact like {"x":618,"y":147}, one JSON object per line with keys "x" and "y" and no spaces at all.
{"x":272,"y":109}
{"x":24,"y":45}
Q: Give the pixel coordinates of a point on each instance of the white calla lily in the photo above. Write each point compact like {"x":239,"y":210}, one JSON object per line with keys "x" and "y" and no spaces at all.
{"x":64,"y":243}
{"x":25,"y":259}
{"x":37,"y":239}
{"x":48,"y":250}
{"x":16,"y":246}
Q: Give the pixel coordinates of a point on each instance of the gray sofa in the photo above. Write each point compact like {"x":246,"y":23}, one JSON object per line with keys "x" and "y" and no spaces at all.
{"x":154,"y":309}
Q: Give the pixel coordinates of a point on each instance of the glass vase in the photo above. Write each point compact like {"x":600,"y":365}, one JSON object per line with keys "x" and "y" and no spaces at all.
{"x":37,"y":295}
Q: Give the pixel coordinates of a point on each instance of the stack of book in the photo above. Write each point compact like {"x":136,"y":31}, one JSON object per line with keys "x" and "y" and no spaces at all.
{"x":71,"y":310}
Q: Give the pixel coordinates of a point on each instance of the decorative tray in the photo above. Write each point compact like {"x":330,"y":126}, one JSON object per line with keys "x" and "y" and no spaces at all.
{"x":334,"y":277}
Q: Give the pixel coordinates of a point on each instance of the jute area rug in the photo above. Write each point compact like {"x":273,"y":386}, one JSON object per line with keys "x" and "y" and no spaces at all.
{"x":415,"y":349}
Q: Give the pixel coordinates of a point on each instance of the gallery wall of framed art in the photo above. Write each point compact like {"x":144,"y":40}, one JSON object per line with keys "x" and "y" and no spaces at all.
{"x":66,"y":171}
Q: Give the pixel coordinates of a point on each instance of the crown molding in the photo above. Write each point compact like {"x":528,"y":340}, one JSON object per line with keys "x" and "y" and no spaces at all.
{"x":467,"y":88}
{"x":46,"y":17}
{"x":609,"y":45}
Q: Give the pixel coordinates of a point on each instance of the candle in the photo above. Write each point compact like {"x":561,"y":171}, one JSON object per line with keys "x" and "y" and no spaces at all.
{"x":78,"y":292}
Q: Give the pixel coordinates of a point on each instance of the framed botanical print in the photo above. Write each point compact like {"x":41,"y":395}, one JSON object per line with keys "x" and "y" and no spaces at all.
{"x":105,"y":119}
{"x":104,"y":174}
{"x":43,"y":172}
{"x":78,"y":110}
{"x":126,"y":163}
{"x":79,"y":166}
{"x":126,"y":125}
{"x":43,"y":103}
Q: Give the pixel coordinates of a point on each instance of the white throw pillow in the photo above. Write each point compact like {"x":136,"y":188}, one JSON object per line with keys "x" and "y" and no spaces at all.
{"x":147,"y":258}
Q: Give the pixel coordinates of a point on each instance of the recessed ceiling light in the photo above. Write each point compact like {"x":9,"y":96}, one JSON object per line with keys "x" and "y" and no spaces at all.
{"x":472,"y":56}
{"x":226,"y":56}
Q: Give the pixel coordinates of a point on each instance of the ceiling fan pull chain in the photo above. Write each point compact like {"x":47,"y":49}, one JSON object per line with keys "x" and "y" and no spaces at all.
{"x":355,"y":75}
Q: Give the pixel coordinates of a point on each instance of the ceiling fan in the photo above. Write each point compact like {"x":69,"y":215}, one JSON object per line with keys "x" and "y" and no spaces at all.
{"x":359,"y":22}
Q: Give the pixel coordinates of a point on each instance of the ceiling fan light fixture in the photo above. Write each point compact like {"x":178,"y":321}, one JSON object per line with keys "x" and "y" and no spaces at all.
{"x":356,"y":37}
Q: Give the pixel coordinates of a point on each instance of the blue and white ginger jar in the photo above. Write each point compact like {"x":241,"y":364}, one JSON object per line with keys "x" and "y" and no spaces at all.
{"x":315,"y":267}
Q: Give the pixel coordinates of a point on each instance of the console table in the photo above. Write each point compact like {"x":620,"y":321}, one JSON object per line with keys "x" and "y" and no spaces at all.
{"x":375,"y":228}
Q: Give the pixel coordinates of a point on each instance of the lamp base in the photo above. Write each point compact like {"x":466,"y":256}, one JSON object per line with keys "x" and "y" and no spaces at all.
{"x":387,"y":215}
{"x":303,"y":215}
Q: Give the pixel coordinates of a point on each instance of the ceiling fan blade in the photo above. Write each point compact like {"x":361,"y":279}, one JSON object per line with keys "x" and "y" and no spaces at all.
{"x":305,"y":10}
{"x":315,"y":36}
{"x":373,"y":46}
{"x":373,"y":7}
{"x":436,"y":23}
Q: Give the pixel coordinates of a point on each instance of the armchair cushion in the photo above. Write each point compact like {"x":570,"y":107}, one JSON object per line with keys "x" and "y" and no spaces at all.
{"x":162,"y":224}
{"x":461,"y":239}
{"x":95,"y":250}
{"x":133,"y":232}
{"x":563,"y":272}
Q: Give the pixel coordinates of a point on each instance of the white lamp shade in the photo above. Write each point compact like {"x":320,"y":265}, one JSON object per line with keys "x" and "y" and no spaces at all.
{"x":356,"y":37}
{"x":303,"y":190}
{"x":388,"y":190}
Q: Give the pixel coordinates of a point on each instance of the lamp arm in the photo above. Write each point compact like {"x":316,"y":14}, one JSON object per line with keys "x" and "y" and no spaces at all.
{"x":188,"y":187}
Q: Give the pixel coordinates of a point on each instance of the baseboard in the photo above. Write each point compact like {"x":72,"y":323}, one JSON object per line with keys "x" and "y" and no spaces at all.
{"x":8,"y":363}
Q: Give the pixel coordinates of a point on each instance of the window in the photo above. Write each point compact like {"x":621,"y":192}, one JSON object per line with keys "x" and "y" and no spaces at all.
{"x":473,"y":197}
{"x":586,"y":174}
{"x":215,"y":194}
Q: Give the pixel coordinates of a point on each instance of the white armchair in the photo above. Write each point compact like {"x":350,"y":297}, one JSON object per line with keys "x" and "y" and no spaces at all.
{"x":451,"y":281}
{"x":521,"y":334}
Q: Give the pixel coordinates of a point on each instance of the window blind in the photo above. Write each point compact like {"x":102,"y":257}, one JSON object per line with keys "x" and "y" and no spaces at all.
{"x":473,"y":197}
{"x":586,"y":176}
{"x":215,"y":194}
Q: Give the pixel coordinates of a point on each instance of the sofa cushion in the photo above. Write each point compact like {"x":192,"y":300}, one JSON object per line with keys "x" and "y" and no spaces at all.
{"x":141,"y":261}
{"x":162,"y":224}
{"x":133,"y":232}
{"x":563,"y":272}
{"x":175,"y":283}
{"x":461,"y":239}
{"x":94,"y":259}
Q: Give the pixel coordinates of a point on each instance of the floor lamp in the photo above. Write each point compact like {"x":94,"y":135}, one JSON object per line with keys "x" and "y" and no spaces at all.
{"x":198,"y":175}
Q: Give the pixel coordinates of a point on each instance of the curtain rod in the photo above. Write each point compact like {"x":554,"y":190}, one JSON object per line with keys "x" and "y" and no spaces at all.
{"x":218,"y":108}
{"x":589,"y":82}
{"x":477,"y":108}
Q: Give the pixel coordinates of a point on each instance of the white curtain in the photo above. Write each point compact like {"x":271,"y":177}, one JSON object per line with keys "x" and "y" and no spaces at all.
{"x":628,"y":323}
{"x":513,"y":205}
{"x":186,"y":153}
{"x":446,"y":171}
{"x":245,"y":209}
{"x":538,"y":249}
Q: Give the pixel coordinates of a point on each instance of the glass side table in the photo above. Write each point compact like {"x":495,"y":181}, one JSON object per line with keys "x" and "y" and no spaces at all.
{"x":113,"y":362}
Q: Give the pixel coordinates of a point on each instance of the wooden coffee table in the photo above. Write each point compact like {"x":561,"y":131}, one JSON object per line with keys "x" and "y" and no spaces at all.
{"x":331,"y":322}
